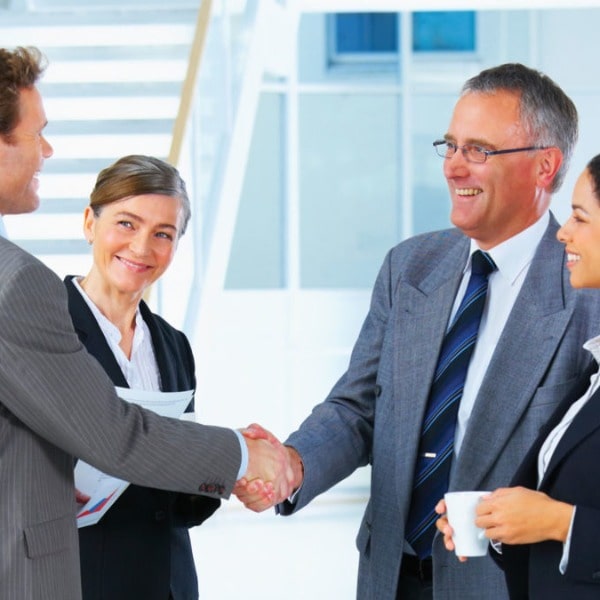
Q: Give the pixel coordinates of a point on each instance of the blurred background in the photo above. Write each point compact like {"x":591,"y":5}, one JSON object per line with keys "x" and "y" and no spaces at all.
{"x":303,"y":129}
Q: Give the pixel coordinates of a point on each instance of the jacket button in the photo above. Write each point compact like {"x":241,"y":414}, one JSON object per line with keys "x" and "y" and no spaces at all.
{"x":377,"y":391}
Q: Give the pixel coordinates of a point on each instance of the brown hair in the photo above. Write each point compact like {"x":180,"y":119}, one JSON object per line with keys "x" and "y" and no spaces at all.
{"x":19,"y":69}
{"x":135,"y":175}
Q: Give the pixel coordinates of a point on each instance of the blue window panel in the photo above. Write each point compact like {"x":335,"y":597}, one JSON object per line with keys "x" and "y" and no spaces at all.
{"x":366,"y":32}
{"x":373,"y":33}
{"x":444,"y":31}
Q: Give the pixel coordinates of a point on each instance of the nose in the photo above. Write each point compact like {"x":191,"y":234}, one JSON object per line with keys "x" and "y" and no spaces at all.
{"x":47,"y":149}
{"x":456,"y":166}
{"x":562,"y":235}
{"x":140,"y":244}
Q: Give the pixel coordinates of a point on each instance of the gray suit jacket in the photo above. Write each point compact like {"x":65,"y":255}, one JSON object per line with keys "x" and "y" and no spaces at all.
{"x":374,"y":412}
{"x":56,"y":403}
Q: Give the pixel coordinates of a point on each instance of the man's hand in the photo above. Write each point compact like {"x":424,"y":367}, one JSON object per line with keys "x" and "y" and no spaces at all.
{"x":444,"y":527}
{"x":274,"y":471}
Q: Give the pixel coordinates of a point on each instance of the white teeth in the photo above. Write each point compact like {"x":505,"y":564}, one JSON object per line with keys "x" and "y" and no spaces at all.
{"x":572,"y":257}
{"x":468,"y":191}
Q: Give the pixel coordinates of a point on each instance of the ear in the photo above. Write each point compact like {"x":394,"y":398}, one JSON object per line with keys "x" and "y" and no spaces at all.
{"x":88,"y":224}
{"x":550,"y":160}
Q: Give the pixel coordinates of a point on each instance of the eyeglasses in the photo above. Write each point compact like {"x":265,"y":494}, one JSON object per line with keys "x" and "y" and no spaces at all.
{"x":474,"y":153}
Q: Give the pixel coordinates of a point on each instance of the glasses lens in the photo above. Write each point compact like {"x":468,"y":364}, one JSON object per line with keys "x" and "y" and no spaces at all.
{"x":475,"y":154}
{"x":444,"y":149}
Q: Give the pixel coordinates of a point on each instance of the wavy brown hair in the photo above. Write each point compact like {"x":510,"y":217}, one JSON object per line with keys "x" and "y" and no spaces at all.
{"x":19,"y":68}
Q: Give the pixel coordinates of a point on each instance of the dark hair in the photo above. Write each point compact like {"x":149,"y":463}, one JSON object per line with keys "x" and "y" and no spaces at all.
{"x":593,"y":168}
{"x":135,"y":175}
{"x":547,"y":113}
{"x":19,"y":69}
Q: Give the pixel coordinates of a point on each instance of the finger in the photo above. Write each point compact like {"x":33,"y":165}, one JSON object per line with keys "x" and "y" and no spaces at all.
{"x":257,"y":432}
{"x":81,"y":497}
{"x":259,"y":506}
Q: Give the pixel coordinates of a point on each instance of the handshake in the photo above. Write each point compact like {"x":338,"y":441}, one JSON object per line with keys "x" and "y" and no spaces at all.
{"x":274,"y":470}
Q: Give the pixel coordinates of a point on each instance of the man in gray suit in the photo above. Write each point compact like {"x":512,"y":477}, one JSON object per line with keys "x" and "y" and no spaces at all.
{"x":57,"y":403}
{"x":505,"y":153}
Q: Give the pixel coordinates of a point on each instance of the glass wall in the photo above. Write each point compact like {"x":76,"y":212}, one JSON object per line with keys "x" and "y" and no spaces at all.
{"x":365,"y":117}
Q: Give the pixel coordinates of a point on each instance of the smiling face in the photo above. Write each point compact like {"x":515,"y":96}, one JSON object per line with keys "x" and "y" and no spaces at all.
{"x":22,"y":156}
{"x":581,"y":235}
{"x":495,"y":200}
{"x":134,"y":241}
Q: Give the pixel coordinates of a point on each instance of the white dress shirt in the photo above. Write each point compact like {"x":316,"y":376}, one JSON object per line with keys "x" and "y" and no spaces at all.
{"x":513,"y":259}
{"x":141,"y":370}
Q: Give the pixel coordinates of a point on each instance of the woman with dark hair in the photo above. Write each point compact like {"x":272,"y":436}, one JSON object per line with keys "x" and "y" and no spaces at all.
{"x":546,"y":526}
{"x":138,"y":210}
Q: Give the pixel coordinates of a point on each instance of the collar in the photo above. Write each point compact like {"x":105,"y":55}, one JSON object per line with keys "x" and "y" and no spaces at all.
{"x":593,"y":346}
{"x":516,"y":253}
{"x":107,"y":326}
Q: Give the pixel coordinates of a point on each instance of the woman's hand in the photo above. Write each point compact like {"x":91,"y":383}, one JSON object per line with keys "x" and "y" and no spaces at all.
{"x":522,"y":516}
{"x":81,"y":498}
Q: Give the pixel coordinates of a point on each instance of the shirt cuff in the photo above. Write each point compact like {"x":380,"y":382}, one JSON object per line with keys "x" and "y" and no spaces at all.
{"x":564,"y":561}
{"x":244,"y":451}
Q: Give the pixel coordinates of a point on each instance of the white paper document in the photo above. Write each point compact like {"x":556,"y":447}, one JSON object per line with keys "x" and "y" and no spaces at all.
{"x":104,"y":489}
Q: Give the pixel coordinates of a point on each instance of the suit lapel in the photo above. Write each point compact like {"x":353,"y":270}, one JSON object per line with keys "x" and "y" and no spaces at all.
{"x":527,"y":473}
{"x":93,"y":339}
{"x":91,"y":335}
{"x":585,"y":423}
{"x":166,"y":366}
{"x":424,"y":307}
{"x":529,"y":340}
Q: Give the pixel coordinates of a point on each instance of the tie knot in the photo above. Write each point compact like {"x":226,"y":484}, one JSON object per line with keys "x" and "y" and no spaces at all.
{"x":482,"y":263}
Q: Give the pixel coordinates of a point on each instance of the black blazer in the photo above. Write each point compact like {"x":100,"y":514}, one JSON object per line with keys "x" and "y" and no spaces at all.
{"x":141,"y":547}
{"x":572,"y":476}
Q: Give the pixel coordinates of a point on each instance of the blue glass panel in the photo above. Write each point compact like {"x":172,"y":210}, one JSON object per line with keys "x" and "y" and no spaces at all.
{"x":439,"y":31}
{"x":444,"y":31}
{"x":366,"y":32}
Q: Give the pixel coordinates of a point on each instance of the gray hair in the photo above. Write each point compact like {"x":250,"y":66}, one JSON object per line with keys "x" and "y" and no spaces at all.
{"x":547,"y":113}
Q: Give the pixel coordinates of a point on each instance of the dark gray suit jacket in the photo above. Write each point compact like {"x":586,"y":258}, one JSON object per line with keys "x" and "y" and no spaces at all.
{"x":374,"y":412}
{"x":141,"y":547}
{"x":57,"y":403}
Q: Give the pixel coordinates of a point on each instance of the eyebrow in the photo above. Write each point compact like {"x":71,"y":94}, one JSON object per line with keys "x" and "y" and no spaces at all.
{"x":135,"y":217}
{"x":470,"y":142}
{"x":579,"y":207}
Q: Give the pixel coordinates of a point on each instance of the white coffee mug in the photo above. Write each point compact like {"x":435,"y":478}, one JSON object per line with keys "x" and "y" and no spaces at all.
{"x":469,"y":540}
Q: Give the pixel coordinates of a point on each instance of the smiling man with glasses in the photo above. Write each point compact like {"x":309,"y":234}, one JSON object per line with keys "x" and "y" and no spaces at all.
{"x":515,"y":129}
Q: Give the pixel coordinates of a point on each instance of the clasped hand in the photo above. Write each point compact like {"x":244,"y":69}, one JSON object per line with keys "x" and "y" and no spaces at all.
{"x":515,"y":515}
{"x":274,"y":470}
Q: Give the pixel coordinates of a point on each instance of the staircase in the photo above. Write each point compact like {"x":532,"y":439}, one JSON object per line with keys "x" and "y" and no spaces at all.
{"x":112,"y":87}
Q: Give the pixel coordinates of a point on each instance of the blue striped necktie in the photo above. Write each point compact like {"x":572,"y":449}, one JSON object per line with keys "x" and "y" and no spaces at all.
{"x":436,"y":447}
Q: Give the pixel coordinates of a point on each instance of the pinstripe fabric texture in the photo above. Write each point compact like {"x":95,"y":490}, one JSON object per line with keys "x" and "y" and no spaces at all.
{"x":56,"y":402}
{"x":437,"y":435}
